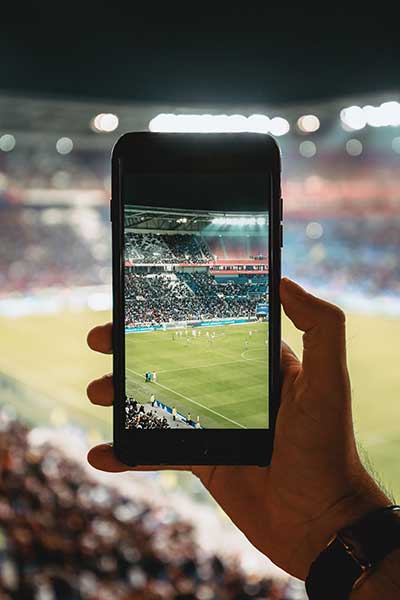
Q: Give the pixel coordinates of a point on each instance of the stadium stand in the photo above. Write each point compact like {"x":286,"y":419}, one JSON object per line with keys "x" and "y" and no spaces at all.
{"x":150,"y":248}
{"x":66,"y":536}
{"x":353,"y":254}
{"x":138,"y":418}
{"x":182,"y":296}
{"x":47,"y":247}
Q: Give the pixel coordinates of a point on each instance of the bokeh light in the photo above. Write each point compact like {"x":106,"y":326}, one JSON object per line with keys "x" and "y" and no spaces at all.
{"x":307,"y":149}
{"x":64,"y":145}
{"x":308,"y":123}
{"x":7,"y":142}
{"x":354,"y":147}
{"x":279,"y":126}
{"x":396,"y":144}
{"x":353,"y":117}
{"x":314,"y":230}
{"x":105,"y":122}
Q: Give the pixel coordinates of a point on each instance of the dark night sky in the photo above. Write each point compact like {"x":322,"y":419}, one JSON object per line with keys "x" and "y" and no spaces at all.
{"x":245,"y":57}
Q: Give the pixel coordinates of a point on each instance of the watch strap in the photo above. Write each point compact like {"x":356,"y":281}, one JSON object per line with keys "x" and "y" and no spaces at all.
{"x":352,"y":553}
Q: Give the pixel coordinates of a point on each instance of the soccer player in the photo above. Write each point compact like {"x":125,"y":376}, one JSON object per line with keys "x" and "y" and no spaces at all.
{"x":207,"y":334}
{"x":154,"y":377}
{"x":198,"y":426}
{"x":174,"y":413}
{"x":180,"y":333}
{"x":152,"y":400}
{"x":250,"y":333}
{"x":189,"y":418}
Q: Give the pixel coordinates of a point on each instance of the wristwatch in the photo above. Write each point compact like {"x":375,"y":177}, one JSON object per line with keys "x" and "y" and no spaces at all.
{"x":352,"y":553}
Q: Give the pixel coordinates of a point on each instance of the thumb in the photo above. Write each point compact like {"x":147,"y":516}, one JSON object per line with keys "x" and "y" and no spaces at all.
{"x":324,"y":339}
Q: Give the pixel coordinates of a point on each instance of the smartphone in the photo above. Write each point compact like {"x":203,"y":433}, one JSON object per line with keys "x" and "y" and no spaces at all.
{"x":197,"y":235}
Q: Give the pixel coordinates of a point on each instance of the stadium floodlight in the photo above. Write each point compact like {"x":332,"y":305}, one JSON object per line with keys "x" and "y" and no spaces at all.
{"x":207,"y":123}
{"x":354,"y":147}
{"x":353,"y":117}
{"x":105,"y":122}
{"x":240,"y":221}
{"x":391,"y":113}
{"x":64,"y":145}
{"x":7,"y":142}
{"x":387,"y":114}
{"x":373,"y":116}
{"x":279,"y":126}
{"x":308,"y":123}
{"x":258,"y":123}
{"x":307,"y":149}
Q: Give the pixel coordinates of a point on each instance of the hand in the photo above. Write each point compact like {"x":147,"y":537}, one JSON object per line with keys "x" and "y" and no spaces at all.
{"x":316,"y":483}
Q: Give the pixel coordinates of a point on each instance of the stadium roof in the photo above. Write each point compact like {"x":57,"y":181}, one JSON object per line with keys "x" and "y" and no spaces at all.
{"x":247,"y":54}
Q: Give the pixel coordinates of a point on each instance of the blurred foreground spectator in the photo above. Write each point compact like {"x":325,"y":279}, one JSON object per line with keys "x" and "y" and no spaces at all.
{"x":64,"y":536}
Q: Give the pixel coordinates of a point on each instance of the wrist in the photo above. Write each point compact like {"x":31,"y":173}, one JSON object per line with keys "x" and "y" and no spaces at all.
{"x":361,"y":497}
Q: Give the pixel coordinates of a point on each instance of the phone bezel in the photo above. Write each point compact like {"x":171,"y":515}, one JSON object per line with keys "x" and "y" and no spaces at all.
{"x":145,"y":152}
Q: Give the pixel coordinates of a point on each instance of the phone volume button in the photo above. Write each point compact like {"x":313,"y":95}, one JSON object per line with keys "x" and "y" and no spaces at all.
{"x":281,"y":235}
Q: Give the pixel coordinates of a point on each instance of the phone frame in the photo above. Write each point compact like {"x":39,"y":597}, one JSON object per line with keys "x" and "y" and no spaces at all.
{"x":145,"y":152}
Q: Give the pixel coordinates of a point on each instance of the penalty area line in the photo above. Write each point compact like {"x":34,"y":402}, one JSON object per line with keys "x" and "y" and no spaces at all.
{"x":191,"y":400}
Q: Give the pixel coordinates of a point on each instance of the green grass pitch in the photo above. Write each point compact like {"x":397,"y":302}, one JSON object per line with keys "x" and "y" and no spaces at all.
{"x":223,"y":380}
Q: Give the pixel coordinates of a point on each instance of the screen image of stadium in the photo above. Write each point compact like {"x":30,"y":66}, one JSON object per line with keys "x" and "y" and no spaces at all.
{"x":196,"y":319}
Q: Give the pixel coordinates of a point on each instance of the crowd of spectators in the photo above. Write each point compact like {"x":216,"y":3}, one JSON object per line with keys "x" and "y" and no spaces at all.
{"x":148,"y":248}
{"x":151,"y":248}
{"x":64,"y":536}
{"x":183,"y":296}
{"x":137,"y":418}
{"x":352,"y":255}
{"x":43,"y":248}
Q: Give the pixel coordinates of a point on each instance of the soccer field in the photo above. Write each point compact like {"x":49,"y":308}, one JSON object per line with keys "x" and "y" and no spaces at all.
{"x":223,"y":380}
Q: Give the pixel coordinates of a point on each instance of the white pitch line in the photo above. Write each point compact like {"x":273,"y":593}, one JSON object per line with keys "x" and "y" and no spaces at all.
{"x":208,"y":366}
{"x":252,"y":359}
{"x":190,"y":400}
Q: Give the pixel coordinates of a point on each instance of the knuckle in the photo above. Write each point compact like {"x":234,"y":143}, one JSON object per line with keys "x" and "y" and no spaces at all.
{"x":336,"y":316}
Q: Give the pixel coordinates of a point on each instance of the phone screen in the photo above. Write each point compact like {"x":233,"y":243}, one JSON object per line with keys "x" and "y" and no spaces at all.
{"x":196,"y":297}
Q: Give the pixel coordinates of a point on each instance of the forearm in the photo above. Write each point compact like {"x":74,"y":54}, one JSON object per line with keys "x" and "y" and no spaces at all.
{"x":383,"y":582}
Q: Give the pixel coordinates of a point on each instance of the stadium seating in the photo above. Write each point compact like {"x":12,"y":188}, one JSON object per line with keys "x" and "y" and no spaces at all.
{"x":182,"y":296}
{"x":158,"y":249}
{"x":66,"y":536}
{"x":48,"y":247}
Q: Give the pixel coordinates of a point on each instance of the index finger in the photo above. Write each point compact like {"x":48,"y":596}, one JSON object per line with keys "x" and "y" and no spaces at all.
{"x":100,"y":338}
